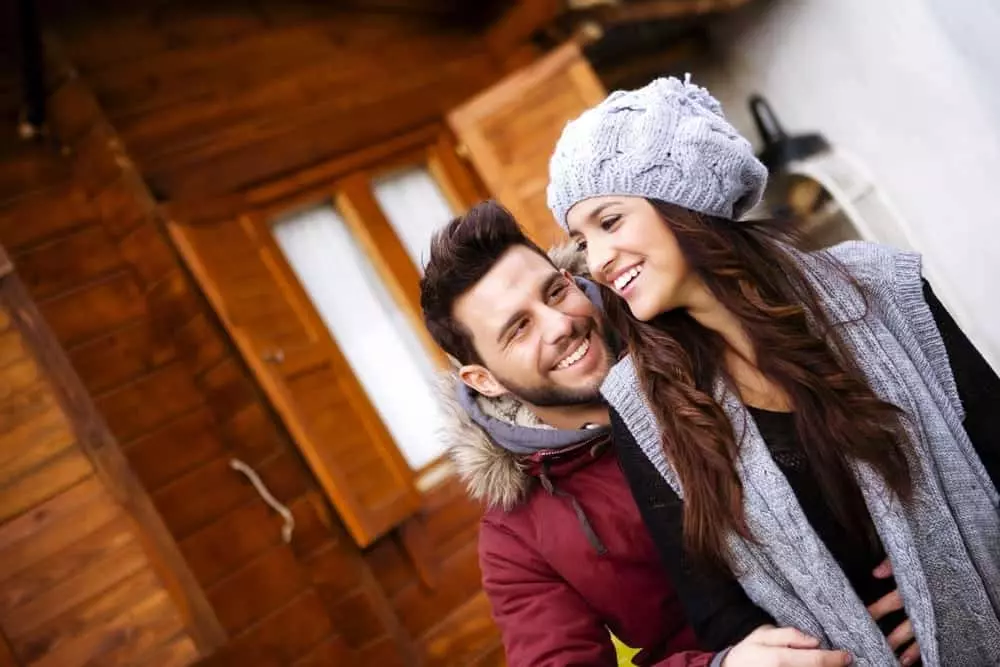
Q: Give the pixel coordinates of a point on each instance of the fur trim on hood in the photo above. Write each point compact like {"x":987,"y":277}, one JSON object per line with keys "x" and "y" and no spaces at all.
{"x":492,"y":474}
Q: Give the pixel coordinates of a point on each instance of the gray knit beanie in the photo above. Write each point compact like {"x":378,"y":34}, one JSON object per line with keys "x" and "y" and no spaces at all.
{"x":668,"y":141}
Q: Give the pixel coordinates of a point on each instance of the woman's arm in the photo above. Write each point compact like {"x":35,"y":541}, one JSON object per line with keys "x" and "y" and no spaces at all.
{"x":716,"y":605}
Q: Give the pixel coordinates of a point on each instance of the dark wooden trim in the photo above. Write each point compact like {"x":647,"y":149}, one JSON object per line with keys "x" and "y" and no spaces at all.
{"x":302,"y":187}
{"x":112,"y":468}
{"x":6,"y":266}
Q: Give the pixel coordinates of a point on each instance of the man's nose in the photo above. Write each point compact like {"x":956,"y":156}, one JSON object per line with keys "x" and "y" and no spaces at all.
{"x":557,"y":325}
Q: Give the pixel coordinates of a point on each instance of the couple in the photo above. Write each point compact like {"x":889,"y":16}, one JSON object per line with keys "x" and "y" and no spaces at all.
{"x":720,"y":449}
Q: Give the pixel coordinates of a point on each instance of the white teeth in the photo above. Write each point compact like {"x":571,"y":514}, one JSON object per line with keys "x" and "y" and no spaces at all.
{"x":624,"y":279}
{"x":576,"y":356}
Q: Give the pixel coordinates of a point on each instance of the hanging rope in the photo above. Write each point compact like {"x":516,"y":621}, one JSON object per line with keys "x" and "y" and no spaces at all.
{"x":289,"y":526}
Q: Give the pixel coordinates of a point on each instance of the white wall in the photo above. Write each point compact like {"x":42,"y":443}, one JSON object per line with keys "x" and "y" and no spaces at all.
{"x":912,"y":87}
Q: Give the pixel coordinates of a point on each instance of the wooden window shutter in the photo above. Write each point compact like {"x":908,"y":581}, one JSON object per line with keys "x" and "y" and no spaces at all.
{"x":510,"y":130}
{"x":290,"y":350}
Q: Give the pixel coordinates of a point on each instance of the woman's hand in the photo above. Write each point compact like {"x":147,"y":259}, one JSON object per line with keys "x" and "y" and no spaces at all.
{"x":768,"y":646}
{"x":904,"y":631}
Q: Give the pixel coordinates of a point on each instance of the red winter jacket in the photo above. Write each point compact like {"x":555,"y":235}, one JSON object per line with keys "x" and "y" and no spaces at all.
{"x":553,"y":595}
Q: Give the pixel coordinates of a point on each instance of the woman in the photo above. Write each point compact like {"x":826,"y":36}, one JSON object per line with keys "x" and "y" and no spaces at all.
{"x":788,"y":421}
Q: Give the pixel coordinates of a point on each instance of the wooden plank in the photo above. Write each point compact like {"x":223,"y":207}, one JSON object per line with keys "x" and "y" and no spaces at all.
{"x":385,"y":653}
{"x":177,"y":652}
{"x":284,"y":636}
{"x":81,"y":257}
{"x":6,"y":654}
{"x":24,"y":397}
{"x":144,"y":628}
{"x":38,"y":485}
{"x":73,"y":111}
{"x":99,"y":574}
{"x":5,"y":264}
{"x":418,"y":608}
{"x":493,"y":658}
{"x":39,"y":576}
{"x":519,"y":23}
{"x":217,"y":489}
{"x":94,"y":309}
{"x":174,"y":301}
{"x":228,"y":388}
{"x":103,"y":455}
{"x":121,"y":355}
{"x":252,"y":434}
{"x":119,"y":207}
{"x":99,"y":160}
{"x":149,"y":253}
{"x":62,"y":636}
{"x":11,"y":349}
{"x":54,"y":525}
{"x":29,"y":168}
{"x":234,"y":162}
{"x":231,"y":541}
{"x":391,"y":567}
{"x":200,"y":342}
{"x":468,"y":632}
{"x":238,"y":93}
{"x":660,"y":10}
{"x":121,"y":639}
{"x":30,"y":445}
{"x":285,"y":476}
{"x":250,"y":593}
{"x":356,"y":618}
{"x":460,"y":184}
{"x":332,"y":652}
{"x":313,"y":529}
{"x":151,"y":401}
{"x":177,"y":447}
{"x":335,"y":571}
{"x":42,"y":215}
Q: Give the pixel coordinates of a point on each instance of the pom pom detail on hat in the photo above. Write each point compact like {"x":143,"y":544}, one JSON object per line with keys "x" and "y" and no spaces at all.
{"x":668,"y":140}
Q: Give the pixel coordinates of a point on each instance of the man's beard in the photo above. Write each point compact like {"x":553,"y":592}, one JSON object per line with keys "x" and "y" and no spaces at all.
{"x":553,"y":396}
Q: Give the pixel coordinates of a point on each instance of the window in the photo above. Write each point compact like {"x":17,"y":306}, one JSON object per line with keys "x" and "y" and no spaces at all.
{"x":415,"y":207}
{"x":371,"y":330}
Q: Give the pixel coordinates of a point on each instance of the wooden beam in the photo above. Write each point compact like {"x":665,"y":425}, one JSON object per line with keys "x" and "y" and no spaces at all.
{"x":508,"y":37}
{"x":659,"y":10}
{"x":90,"y":428}
{"x":5,"y":264}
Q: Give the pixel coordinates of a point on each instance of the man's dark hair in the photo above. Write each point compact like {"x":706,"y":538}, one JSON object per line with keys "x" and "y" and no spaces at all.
{"x":462,"y":252}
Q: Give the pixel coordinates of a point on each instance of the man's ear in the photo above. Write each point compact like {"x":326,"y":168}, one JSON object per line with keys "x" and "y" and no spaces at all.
{"x":479,"y":378}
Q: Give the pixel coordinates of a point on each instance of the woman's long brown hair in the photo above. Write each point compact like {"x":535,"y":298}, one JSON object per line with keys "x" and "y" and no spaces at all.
{"x":749,"y":269}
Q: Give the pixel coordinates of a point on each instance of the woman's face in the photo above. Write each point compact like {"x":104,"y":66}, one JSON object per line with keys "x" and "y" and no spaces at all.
{"x":631,"y":250}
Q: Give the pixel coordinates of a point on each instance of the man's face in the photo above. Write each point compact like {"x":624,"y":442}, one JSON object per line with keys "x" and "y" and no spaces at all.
{"x":537,"y":333}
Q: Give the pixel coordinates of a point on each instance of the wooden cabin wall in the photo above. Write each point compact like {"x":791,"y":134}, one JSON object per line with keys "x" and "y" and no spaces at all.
{"x":213,"y":97}
{"x":193,"y":105}
{"x":88,"y":574}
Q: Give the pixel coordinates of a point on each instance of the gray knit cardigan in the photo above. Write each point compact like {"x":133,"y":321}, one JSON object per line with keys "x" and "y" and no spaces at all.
{"x":944,"y":546}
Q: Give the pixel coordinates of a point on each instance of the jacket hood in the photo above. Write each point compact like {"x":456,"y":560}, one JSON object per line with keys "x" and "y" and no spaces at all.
{"x":477,"y":426}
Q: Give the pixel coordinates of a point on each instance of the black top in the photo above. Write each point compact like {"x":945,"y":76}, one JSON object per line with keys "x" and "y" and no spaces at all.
{"x":716,"y":605}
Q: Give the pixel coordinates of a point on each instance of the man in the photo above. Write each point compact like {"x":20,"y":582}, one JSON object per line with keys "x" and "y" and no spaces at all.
{"x":565,"y":557}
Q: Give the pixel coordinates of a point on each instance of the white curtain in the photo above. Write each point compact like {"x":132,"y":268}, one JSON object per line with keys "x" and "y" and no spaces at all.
{"x":371,"y":330}
{"x":415,"y":207}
